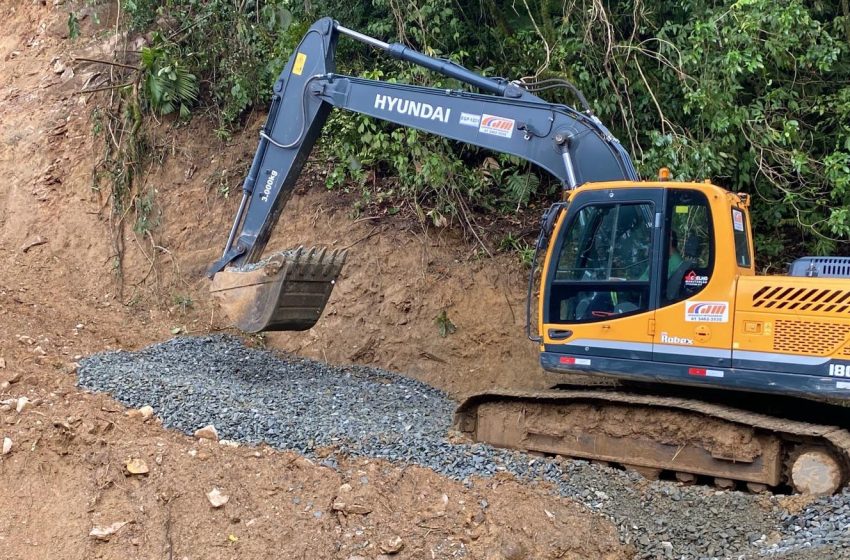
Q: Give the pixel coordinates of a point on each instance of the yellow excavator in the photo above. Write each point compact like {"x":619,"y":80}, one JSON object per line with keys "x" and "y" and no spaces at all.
{"x":699,"y":369}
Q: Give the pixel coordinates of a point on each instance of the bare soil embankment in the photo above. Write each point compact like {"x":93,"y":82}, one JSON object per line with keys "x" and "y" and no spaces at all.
{"x":66,"y":470}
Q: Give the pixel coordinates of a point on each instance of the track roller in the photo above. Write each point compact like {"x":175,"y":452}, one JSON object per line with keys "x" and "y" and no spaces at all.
{"x":816,"y":471}
{"x":686,"y":478}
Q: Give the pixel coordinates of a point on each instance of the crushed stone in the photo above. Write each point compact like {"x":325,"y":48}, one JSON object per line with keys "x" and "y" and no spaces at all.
{"x":257,"y":396}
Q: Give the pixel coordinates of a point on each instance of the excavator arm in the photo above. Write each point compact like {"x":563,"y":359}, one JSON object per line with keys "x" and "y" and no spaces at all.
{"x":291,"y":289}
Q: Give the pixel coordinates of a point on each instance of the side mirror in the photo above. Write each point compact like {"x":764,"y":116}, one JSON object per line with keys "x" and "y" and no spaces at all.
{"x":550,"y":216}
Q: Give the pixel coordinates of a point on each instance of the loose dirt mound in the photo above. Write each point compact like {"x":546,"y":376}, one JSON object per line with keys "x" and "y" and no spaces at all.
{"x":67,"y":474}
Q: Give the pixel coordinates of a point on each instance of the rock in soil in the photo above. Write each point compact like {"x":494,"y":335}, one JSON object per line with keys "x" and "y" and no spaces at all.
{"x":137,"y":466}
{"x":104,"y":533}
{"x":216,"y":498}
{"x":22,"y":404}
{"x":392,"y":545}
{"x":145,"y":413}
{"x":207,"y":432}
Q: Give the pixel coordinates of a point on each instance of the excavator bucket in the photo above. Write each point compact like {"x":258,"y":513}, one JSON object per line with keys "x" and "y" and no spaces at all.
{"x":285,"y":292}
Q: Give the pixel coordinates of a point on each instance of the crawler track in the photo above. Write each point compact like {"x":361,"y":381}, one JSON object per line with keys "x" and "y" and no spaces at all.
{"x":663,"y":433}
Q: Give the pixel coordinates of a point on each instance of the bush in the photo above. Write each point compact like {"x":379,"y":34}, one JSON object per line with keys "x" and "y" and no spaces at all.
{"x":752,"y":94}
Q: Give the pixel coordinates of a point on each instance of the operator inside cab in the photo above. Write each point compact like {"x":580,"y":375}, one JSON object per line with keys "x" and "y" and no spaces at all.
{"x":675,"y":260}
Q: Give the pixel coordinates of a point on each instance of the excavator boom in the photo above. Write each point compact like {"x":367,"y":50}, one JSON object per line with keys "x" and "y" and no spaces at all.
{"x":291,"y":292}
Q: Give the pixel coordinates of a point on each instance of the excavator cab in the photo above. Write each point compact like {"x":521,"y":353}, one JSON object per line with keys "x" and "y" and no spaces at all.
{"x":627,"y":256}
{"x":655,"y":282}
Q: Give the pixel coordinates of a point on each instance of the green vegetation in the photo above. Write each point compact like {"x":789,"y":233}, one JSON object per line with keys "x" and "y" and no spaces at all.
{"x":752,"y":94}
{"x":168,"y":85}
{"x":183,"y":303}
{"x":73,"y":26}
{"x":523,"y":250}
{"x":445,"y":327}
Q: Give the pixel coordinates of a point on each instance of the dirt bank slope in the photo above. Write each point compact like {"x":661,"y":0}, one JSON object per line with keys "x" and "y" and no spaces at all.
{"x":400,"y":275}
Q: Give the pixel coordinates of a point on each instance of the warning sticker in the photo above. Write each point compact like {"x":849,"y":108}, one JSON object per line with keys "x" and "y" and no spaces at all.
{"x":298,"y":67}
{"x":707,"y":311}
{"x":737,"y":220}
{"x":694,"y":280}
{"x":468,"y":119}
{"x":497,"y":126}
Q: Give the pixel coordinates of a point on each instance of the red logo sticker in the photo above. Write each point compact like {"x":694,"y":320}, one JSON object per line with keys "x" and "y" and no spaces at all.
{"x":496,"y":126}
{"x":694,"y":280}
{"x":707,"y":311}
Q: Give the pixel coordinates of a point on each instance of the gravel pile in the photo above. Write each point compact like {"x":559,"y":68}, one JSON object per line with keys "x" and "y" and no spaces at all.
{"x":256,"y":396}
{"x":823,"y":525}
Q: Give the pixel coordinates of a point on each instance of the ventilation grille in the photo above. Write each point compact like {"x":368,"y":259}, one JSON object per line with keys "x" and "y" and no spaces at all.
{"x":847,"y":350}
{"x":808,"y":337}
{"x":802,"y":299}
{"x":827,"y":267}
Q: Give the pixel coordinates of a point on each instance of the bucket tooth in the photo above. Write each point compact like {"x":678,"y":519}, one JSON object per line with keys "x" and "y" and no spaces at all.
{"x":329,"y":262}
{"x":287,"y":293}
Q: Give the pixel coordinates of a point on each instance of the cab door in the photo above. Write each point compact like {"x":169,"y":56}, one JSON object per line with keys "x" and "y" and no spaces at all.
{"x":598,"y":298}
{"x":693,"y":319}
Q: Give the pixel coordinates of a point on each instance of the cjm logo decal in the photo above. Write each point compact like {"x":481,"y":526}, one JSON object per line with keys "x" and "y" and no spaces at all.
{"x":707,"y":311}
{"x":496,"y":126}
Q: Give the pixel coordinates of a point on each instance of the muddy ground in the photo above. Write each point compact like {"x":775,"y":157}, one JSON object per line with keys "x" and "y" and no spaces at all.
{"x":61,"y":298}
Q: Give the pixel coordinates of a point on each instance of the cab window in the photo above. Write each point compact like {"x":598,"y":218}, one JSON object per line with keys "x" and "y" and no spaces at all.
{"x":742,"y":244}
{"x":689,"y":246}
{"x":603,"y":267}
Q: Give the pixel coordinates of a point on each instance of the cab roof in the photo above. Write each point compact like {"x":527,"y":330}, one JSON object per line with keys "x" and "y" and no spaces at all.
{"x":705,"y":187}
